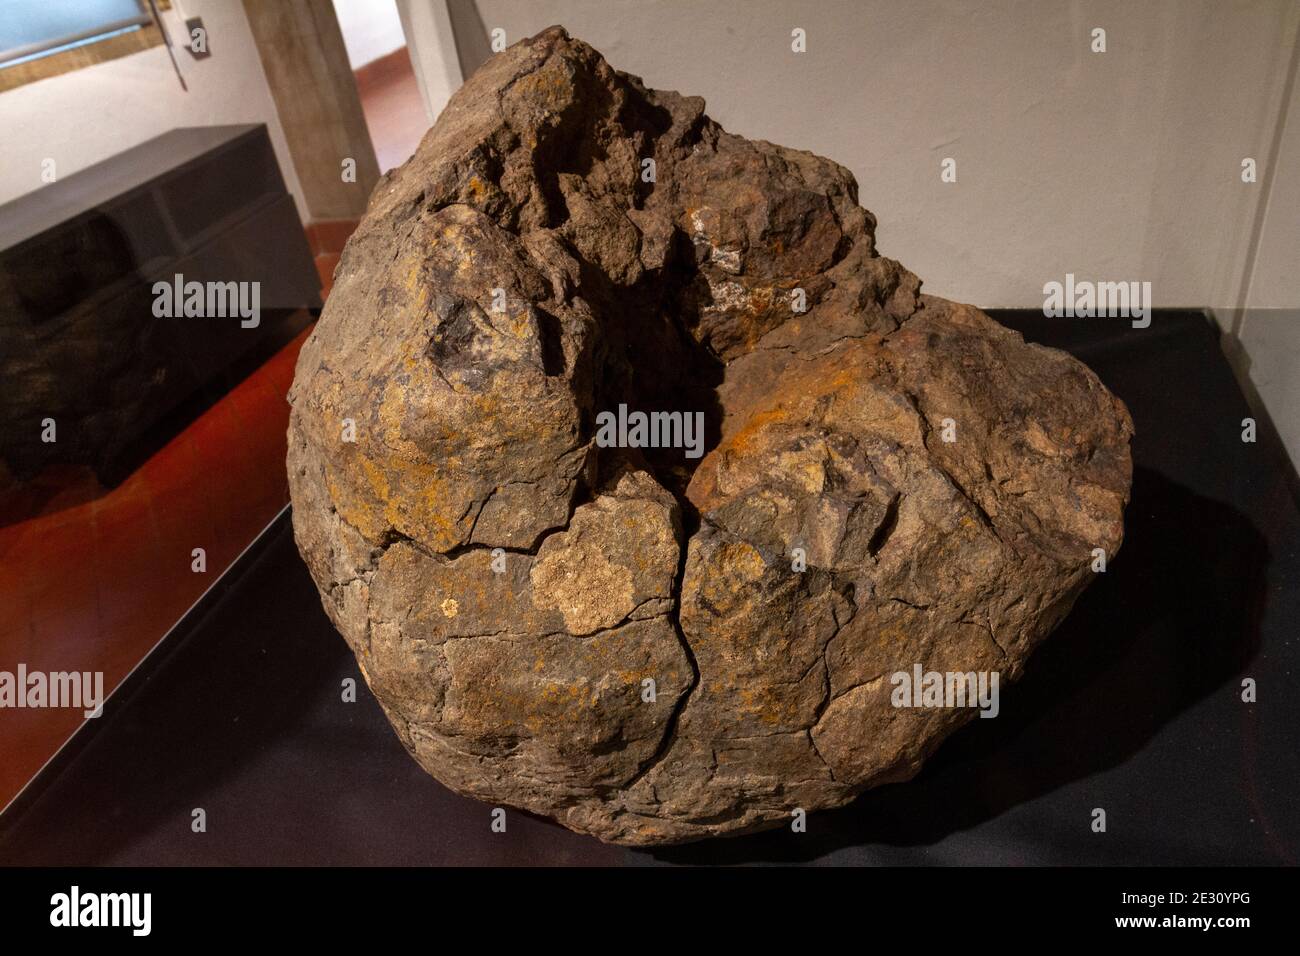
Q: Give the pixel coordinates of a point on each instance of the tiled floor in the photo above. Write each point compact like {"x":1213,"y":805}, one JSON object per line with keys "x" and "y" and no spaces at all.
{"x":394,"y":111}
{"x":92,"y":578}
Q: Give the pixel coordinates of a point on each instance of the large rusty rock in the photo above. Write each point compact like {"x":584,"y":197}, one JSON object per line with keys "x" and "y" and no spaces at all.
{"x":646,"y":646}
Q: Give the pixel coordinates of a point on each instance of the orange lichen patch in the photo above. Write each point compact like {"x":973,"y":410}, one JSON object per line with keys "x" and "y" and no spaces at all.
{"x":520,"y":327}
{"x":770,"y":706}
{"x":810,"y":473}
{"x":498,"y":421}
{"x":843,"y":379}
{"x":356,"y":509}
{"x":418,"y":509}
{"x":760,"y":300}
{"x":893,"y":633}
{"x":463,"y":249}
{"x":746,"y":439}
{"x":566,"y":695}
{"x":744,"y":559}
{"x":376,"y":476}
{"x":548,"y":88}
{"x":428,"y":509}
{"x":392,"y":413}
{"x":412,"y":278}
{"x":739,"y":564}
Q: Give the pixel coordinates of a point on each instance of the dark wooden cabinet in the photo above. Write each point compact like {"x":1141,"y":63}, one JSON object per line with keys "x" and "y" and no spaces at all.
{"x":79,"y":340}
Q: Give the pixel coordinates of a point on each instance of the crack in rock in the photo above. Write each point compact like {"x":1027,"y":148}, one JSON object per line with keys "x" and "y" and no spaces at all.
{"x":647,"y":646}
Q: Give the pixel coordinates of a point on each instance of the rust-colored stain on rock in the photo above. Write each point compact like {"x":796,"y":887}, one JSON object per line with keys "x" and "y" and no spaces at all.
{"x":645,"y":646}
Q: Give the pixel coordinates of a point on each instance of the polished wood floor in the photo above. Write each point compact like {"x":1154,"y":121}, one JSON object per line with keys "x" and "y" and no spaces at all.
{"x":91,"y":579}
{"x":393,"y":107}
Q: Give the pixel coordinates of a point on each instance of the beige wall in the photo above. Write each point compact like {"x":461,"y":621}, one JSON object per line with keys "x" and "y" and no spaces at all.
{"x":305,"y":61}
{"x":371,"y":29}
{"x":88,"y":115}
{"x":1123,"y":164}
{"x":1117,"y":165}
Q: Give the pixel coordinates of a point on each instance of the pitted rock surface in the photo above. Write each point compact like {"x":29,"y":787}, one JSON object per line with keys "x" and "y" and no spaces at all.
{"x":617,"y":638}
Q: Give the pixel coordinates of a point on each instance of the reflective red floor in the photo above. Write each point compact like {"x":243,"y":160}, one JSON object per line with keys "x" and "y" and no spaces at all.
{"x":92,"y":578}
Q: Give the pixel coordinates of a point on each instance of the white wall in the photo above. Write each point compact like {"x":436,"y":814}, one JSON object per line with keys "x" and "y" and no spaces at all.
{"x":1269,"y":326}
{"x":431,"y":43}
{"x":88,"y":115}
{"x":1116,"y":165}
{"x":371,"y":29}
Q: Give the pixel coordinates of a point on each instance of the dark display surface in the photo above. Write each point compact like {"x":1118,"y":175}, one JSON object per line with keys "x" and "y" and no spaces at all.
{"x":1132,"y":706}
{"x":85,"y":340}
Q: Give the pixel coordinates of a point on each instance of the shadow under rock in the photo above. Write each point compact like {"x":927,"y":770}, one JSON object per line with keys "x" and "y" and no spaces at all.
{"x":1176,"y":615}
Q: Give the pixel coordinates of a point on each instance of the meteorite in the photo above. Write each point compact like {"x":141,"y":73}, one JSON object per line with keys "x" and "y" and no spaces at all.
{"x":646,"y":646}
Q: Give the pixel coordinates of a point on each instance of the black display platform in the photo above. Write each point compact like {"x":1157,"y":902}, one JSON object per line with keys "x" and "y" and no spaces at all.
{"x":1133,"y":705}
{"x":81,"y":342}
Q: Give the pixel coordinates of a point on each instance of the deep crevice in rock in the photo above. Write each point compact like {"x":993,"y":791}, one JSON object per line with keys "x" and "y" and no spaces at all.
{"x":645,"y":295}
